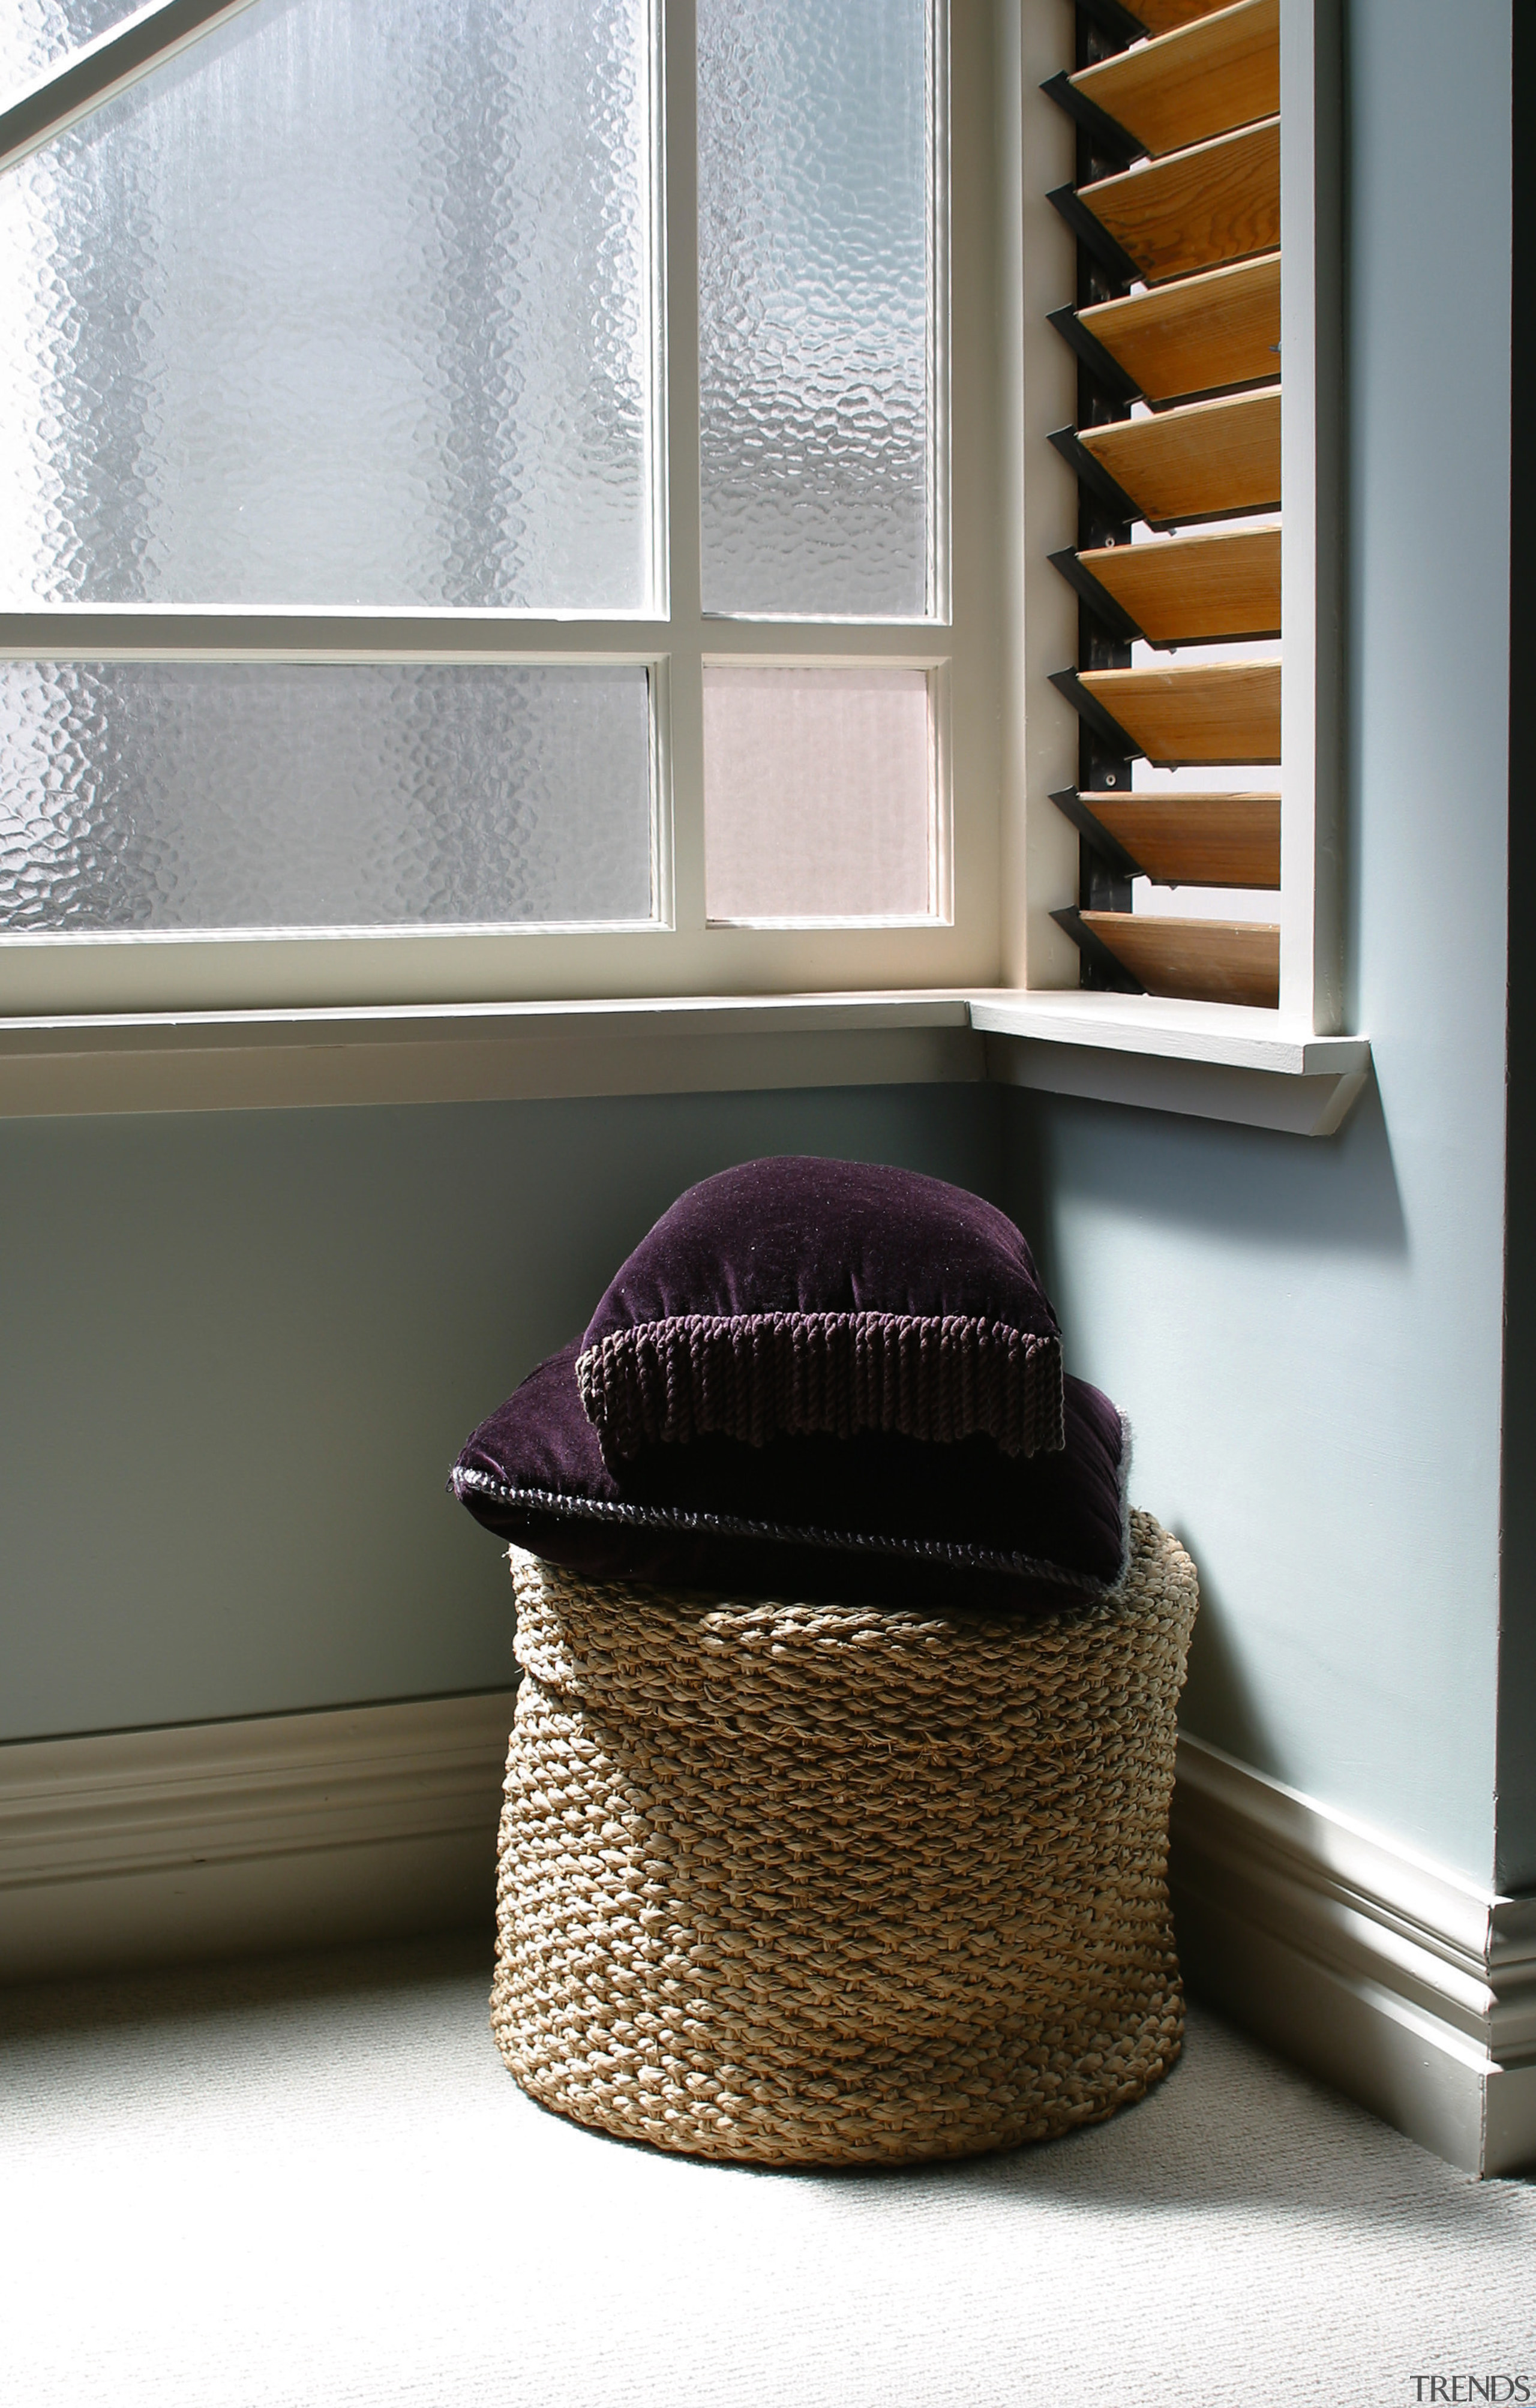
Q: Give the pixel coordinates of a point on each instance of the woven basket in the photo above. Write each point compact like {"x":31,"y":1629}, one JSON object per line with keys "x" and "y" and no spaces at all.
{"x":820,"y":1884}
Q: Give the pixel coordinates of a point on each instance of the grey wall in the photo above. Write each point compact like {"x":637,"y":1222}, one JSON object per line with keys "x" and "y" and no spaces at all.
{"x":242,"y":1349}
{"x":1308,"y":1336}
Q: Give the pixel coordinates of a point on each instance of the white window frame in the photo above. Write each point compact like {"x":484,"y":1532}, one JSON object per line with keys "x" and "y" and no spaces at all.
{"x":680,"y":954}
{"x":994,"y":994}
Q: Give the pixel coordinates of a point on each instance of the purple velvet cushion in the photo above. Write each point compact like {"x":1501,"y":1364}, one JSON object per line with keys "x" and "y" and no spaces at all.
{"x":807,"y":1298}
{"x":875,"y":1518}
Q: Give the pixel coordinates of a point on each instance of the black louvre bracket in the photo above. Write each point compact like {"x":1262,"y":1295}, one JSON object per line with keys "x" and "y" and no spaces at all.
{"x":1092,"y":713}
{"x":1109,"y":137}
{"x":1092,"y":831}
{"x":1092,"y":474}
{"x":1100,"y":364}
{"x":1109,"y":967}
{"x":1118,"y":22}
{"x":1100,"y":601}
{"x":1097,"y":239}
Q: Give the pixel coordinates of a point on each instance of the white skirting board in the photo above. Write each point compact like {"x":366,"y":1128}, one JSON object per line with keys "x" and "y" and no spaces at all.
{"x":1399,"y":1981}
{"x":212,"y":1839}
{"x":1402,"y":1983}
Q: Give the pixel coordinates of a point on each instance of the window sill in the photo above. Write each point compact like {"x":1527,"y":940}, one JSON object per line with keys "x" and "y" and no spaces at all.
{"x":1217,"y":1061}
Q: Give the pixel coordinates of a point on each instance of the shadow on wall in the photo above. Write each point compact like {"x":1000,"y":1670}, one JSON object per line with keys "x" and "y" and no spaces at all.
{"x":1204,"y":1179}
{"x":1218,"y":1694}
{"x":1256,"y":1303}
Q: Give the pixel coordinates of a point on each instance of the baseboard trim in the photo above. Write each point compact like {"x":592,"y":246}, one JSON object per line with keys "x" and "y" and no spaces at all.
{"x":1401,"y":1982}
{"x":286,"y":1831}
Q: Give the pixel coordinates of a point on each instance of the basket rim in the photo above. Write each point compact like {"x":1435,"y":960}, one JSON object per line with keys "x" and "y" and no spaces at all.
{"x":699,"y":1608}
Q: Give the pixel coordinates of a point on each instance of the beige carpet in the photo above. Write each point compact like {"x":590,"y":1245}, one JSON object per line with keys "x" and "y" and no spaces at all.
{"x":312,"y":2182}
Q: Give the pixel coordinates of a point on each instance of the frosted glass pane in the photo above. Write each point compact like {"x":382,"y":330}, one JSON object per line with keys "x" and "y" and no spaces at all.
{"x":817,"y":794}
{"x":814,"y":306}
{"x":148,"y":794}
{"x":345,"y":304}
{"x":38,"y":33}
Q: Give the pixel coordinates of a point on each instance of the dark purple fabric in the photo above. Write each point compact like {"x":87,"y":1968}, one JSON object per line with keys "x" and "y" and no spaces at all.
{"x":796,"y":1233}
{"x":874,"y":1518}
{"x":800,"y":1295}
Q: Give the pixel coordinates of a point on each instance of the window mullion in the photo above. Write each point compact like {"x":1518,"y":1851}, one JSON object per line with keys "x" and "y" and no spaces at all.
{"x":682,"y":734}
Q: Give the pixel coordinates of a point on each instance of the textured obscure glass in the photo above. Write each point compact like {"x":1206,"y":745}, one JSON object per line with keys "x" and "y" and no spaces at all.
{"x":345,"y":304}
{"x":814,"y":306}
{"x":817,"y":794}
{"x":147,"y":795}
{"x":38,"y":33}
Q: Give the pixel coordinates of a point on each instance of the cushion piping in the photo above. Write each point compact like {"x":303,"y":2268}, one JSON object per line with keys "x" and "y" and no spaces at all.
{"x":940,"y":1551}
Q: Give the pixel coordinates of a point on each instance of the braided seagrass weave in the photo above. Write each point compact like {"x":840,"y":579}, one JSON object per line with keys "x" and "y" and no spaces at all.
{"x":819,"y":1885}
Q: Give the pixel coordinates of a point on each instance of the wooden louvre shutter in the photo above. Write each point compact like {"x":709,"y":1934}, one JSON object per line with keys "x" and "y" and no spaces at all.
{"x":1176,"y":212}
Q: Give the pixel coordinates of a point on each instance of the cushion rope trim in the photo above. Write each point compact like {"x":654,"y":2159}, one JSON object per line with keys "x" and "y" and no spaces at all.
{"x":934,"y":1551}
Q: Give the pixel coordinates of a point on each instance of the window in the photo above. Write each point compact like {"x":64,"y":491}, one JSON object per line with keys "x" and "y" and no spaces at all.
{"x":554,"y":499}
{"x":498,"y":498}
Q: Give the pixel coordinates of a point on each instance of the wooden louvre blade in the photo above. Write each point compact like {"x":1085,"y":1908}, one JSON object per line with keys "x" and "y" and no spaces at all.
{"x":1205,"y":961}
{"x":1206,"y":77}
{"x":1213,"y":459}
{"x":1194,"y":840}
{"x":1201,"y":716}
{"x":1194,"y":589}
{"x":1201,"y":333}
{"x":1196,"y":208}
